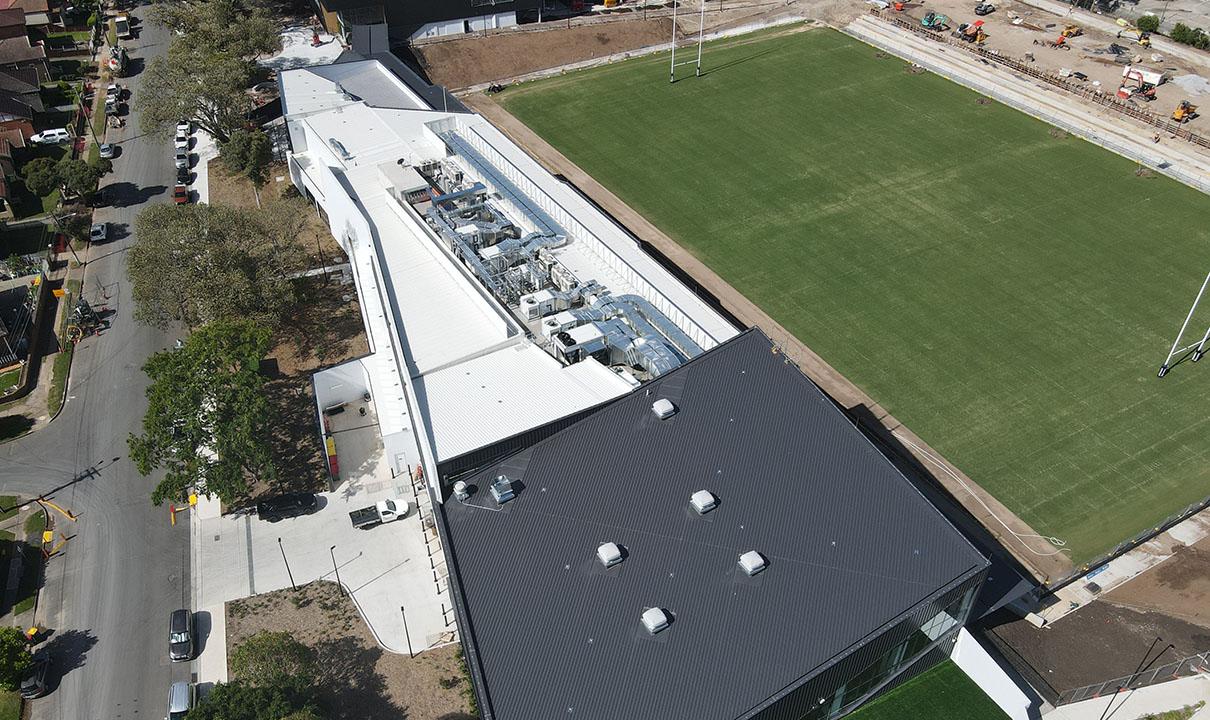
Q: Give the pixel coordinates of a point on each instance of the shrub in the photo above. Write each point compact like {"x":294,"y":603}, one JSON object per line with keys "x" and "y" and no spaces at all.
{"x":1149,"y":23}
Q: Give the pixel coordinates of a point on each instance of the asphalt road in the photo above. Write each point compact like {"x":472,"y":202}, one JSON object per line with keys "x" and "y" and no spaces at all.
{"x":108,"y":596}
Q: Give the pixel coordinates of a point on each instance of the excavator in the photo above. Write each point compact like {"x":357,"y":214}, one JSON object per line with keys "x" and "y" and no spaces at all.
{"x":1184,"y":112}
{"x":1070,"y":31}
{"x":1133,"y":86}
{"x":935,"y":21}
{"x":1140,"y":37}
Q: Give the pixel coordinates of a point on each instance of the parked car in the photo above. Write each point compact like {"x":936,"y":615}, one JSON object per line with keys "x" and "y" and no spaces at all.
{"x":107,"y":150}
{"x":180,"y":700}
{"x":183,"y":176}
{"x":180,"y":635}
{"x":180,"y":194}
{"x":182,"y":157}
{"x":54,"y":136}
{"x":287,"y":506}
{"x":98,"y":232}
{"x":34,"y":682}
{"x":383,"y":511}
{"x":184,"y":127}
{"x":182,"y":139}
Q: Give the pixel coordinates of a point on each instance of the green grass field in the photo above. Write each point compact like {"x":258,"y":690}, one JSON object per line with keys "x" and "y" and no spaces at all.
{"x":1005,"y":290}
{"x":942,"y":692}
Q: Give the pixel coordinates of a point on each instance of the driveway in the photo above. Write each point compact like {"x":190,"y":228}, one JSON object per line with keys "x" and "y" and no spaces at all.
{"x":384,"y":568}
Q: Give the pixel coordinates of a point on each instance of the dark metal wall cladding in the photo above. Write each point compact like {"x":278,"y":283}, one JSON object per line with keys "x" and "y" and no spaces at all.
{"x":852,"y":547}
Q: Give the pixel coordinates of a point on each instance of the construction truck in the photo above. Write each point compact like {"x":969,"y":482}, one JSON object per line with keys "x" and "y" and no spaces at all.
{"x":1184,"y":112}
{"x":1071,"y":31}
{"x":935,"y":21}
{"x":972,"y":32}
{"x":1140,"y":37}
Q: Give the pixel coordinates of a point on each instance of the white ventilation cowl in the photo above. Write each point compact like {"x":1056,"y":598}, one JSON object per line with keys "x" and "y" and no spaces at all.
{"x":655,"y":619}
{"x":609,"y":554}
{"x":663,"y":408}
{"x":752,"y":562}
{"x":703,"y":501}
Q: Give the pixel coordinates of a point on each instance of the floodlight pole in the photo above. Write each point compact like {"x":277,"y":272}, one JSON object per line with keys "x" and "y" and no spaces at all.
{"x":672,"y":65}
{"x":1197,"y":355}
{"x":701,"y":26}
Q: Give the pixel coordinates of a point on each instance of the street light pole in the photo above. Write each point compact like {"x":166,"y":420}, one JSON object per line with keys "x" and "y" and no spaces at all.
{"x":332,"y":552}
{"x":1139,"y":668}
{"x":287,"y":562}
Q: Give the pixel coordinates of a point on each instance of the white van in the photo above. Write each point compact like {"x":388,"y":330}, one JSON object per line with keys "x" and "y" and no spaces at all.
{"x":54,"y":136}
{"x":180,"y":700}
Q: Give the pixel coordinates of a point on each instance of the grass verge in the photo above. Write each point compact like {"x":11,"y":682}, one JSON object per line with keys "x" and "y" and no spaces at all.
{"x":961,"y":262}
{"x":8,"y":506}
{"x":10,"y":705}
{"x":942,"y":692}
{"x":62,"y":362}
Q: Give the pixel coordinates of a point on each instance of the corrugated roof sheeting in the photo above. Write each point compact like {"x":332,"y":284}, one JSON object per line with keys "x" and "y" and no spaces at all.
{"x":851,"y":545}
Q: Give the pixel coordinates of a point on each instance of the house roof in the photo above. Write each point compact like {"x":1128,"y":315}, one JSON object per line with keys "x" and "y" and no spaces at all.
{"x":26,"y":6}
{"x":13,"y":106}
{"x":13,"y":136}
{"x":851,"y":547}
{"x":18,"y":49}
{"x":19,"y":80}
{"x":12,"y":16}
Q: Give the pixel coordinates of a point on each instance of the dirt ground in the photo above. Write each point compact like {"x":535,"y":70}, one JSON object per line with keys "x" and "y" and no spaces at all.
{"x":1179,"y":587}
{"x":326,"y":330}
{"x":1089,"y":54}
{"x":360,"y":681}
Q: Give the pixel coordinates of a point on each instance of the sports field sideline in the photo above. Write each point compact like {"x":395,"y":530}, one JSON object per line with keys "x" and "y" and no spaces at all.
{"x":1005,"y":290}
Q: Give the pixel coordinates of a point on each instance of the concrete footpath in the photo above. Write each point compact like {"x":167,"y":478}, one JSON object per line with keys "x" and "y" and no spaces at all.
{"x":1132,"y":704}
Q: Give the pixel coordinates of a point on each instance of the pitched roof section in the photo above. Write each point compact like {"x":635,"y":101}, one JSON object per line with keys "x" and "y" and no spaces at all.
{"x":10,"y":17}
{"x":850,"y":545}
{"x":18,"y":49}
{"x":19,"y":80}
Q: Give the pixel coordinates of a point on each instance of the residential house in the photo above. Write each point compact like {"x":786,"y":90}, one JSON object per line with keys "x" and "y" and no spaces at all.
{"x":12,"y":23}
{"x":22,"y":85}
{"x":16,"y":115}
{"x":17,"y":53}
{"x":38,"y":13}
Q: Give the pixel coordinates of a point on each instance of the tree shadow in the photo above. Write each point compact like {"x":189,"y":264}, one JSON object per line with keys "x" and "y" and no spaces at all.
{"x":326,"y":326}
{"x":350,"y":682}
{"x":67,"y":650}
{"x":294,"y":438}
{"x":12,"y":426}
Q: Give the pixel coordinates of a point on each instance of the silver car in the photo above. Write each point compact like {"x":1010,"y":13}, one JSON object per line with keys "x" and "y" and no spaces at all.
{"x":180,"y":700}
{"x":98,"y":232}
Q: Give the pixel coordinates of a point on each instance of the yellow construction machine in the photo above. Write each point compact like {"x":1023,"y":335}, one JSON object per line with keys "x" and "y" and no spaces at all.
{"x":1071,"y":31}
{"x":1184,"y":112}
{"x":1140,"y":37}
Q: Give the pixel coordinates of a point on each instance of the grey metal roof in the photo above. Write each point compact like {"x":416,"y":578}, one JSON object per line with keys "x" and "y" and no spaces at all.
{"x":851,"y":546}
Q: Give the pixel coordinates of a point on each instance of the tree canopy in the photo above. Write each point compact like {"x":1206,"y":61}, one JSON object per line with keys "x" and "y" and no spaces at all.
{"x":274,"y":659}
{"x":193,"y":264}
{"x":241,"y":701}
{"x":41,"y":176}
{"x":207,"y":420}
{"x":14,"y":657}
{"x":209,"y":64}
{"x":248,"y":153}
{"x":75,"y":177}
{"x":78,"y":177}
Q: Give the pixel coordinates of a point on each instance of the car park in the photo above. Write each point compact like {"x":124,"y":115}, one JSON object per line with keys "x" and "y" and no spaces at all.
{"x":182,"y":157}
{"x":180,"y":194}
{"x":34,"y":681}
{"x":180,"y":635}
{"x":50,"y":137}
{"x":98,"y":232}
{"x":107,"y":150}
{"x":286,"y":506}
{"x":180,"y":700}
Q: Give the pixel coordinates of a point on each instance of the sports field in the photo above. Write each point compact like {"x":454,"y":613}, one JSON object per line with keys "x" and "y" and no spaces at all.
{"x":1005,"y":290}
{"x":942,"y":692}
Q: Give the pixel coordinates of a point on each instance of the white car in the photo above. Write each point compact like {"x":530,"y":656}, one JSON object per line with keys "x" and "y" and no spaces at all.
{"x":182,"y":139}
{"x":184,"y":127}
{"x":182,"y":157}
{"x":98,"y":232}
{"x":53,"y":136}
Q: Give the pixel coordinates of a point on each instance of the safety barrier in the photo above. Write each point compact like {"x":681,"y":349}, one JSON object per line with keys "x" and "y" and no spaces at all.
{"x":1186,"y":667}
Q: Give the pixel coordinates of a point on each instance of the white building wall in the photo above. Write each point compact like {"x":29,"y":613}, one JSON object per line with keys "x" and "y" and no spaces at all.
{"x":479,"y":23}
{"x":981,"y":668}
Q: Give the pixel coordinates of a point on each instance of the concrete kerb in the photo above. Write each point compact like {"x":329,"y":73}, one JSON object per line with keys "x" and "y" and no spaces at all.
{"x":629,"y":54}
{"x":1040,"y":557}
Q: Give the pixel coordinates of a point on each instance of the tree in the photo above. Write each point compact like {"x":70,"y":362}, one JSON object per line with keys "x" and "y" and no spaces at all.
{"x":248,"y":153}
{"x":14,"y":657}
{"x":41,"y":176}
{"x":1149,"y":23}
{"x":240,"y":701}
{"x":78,"y":177}
{"x":209,"y":64}
{"x":196,"y":83}
{"x":208,"y":421}
{"x":274,"y":659}
{"x":75,"y":224}
{"x":185,"y":253}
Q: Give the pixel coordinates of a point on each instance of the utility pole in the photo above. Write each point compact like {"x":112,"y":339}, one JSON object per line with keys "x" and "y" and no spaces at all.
{"x":1133,"y":675}
{"x":335,"y":569}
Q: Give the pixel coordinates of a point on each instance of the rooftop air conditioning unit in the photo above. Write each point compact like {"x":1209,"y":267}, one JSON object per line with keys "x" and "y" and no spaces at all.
{"x":655,"y":619}
{"x":703,"y":501}
{"x":752,"y":562}
{"x":609,"y":554}
{"x":663,"y":408}
{"x":502,"y":490}
{"x":461,"y":491}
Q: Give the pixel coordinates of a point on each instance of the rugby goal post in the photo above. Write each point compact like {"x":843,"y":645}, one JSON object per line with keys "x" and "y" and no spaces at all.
{"x":701,"y":27}
{"x":1199,"y":348}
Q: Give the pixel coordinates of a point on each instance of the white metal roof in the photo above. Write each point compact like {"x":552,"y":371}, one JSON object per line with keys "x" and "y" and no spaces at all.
{"x":480,"y":401}
{"x":323,"y":87}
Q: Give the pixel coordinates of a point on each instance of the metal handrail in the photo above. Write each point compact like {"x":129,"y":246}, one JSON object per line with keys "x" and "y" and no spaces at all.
{"x":1186,"y":667}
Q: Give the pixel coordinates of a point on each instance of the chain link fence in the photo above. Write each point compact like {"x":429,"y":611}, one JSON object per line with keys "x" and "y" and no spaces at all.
{"x":1187,"y":667}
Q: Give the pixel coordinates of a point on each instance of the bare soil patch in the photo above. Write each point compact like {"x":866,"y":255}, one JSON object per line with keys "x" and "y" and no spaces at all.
{"x":470,"y":61}
{"x":1179,"y":586}
{"x":360,"y":681}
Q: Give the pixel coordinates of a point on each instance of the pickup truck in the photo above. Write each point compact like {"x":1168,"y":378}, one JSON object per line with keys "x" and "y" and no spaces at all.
{"x":384,"y":511}
{"x":121,"y":26}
